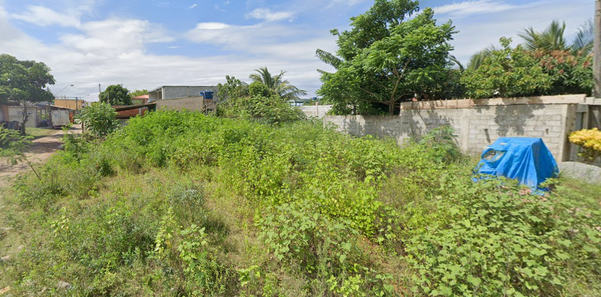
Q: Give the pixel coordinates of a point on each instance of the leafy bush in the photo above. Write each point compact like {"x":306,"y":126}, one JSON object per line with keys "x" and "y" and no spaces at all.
{"x":99,"y":119}
{"x":589,"y":141}
{"x":506,"y":72}
{"x":323,"y":249}
{"x":261,"y":103}
{"x":443,"y":143}
{"x":493,"y":240}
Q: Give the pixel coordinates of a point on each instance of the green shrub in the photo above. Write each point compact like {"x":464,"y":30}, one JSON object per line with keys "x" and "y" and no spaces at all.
{"x":495,"y":241}
{"x":323,"y":249}
{"x":443,"y":144}
{"x":99,"y":119}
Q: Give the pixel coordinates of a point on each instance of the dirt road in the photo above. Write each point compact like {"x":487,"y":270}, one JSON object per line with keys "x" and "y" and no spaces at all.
{"x":39,"y":152}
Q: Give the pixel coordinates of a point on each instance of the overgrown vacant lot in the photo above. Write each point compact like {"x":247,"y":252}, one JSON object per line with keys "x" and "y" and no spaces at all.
{"x":180,"y":204}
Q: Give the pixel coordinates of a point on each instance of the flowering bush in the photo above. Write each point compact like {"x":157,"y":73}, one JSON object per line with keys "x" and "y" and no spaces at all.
{"x":590,"y":141}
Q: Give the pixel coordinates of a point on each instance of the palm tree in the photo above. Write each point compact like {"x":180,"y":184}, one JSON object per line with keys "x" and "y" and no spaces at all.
{"x":584,"y":38}
{"x":551,"y":39}
{"x":282,"y":87}
{"x":479,"y":57}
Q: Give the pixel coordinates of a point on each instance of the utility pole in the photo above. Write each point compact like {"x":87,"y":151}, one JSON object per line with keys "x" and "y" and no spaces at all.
{"x":597,"y":52}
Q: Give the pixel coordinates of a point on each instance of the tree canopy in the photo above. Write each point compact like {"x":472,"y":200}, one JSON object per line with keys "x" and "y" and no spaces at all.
{"x":569,"y":65}
{"x":387,"y":57}
{"x":233,"y":88}
{"x":115,"y":95}
{"x":507,"y":72}
{"x":24,"y":81}
{"x":259,"y":101}
{"x":549,"y":40}
{"x":566,"y":67}
{"x":281,"y":87}
{"x":137,"y":93}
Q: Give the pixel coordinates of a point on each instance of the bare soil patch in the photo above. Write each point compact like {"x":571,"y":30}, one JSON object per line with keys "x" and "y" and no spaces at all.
{"x":39,"y":152}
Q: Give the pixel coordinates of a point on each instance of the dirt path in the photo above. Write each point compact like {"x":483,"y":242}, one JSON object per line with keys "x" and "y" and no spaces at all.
{"x":39,"y":152}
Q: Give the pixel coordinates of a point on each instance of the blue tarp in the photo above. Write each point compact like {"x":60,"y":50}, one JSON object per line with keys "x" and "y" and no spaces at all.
{"x":526,"y":159}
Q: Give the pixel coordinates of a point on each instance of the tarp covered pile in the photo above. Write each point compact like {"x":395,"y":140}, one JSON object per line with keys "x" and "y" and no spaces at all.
{"x":526,"y":159}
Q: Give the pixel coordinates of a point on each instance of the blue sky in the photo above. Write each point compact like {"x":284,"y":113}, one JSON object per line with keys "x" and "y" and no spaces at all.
{"x":144,"y":44}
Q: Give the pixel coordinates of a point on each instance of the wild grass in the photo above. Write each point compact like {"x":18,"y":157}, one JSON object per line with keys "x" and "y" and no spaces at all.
{"x":181,"y":204}
{"x":39,"y":132}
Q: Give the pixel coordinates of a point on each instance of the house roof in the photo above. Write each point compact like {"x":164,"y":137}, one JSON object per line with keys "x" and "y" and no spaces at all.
{"x":140,"y":97}
{"x":60,"y":107}
{"x":128,"y":107}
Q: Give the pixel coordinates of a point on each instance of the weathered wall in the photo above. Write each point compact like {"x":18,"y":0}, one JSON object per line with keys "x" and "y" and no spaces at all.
{"x":15,"y":113}
{"x":170,"y":92}
{"x":190,"y":103}
{"x":476,"y":127}
{"x":318,"y":111}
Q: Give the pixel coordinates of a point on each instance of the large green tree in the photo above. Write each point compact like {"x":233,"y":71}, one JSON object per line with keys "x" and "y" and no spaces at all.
{"x":276,"y":83}
{"x":24,"y":82}
{"x":115,"y":95}
{"x":388,"y":56}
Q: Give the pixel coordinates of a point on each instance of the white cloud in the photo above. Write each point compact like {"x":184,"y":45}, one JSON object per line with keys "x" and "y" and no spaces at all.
{"x":243,"y":38}
{"x":115,"y":37}
{"x":44,"y":16}
{"x":466,"y":8}
{"x":212,"y":26}
{"x":267,"y":15}
{"x":193,"y":6}
{"x":347,"y":2}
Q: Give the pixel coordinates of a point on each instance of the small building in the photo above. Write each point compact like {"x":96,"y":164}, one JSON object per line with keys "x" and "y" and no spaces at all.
{"x":175,"y":92}
{"x":12,"y":112}
{"x":60,"y":116}
{"x":197,"y":98}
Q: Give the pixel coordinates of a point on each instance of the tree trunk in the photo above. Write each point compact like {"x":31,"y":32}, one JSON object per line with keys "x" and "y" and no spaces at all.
{"x":25,"y":118}
{"x":597,"y":52}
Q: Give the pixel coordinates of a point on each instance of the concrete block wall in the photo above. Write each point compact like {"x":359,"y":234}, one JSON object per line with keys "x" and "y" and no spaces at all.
{"x":475,"y":127}
{"x":171,"y":92}
{"x":318,"y":111}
